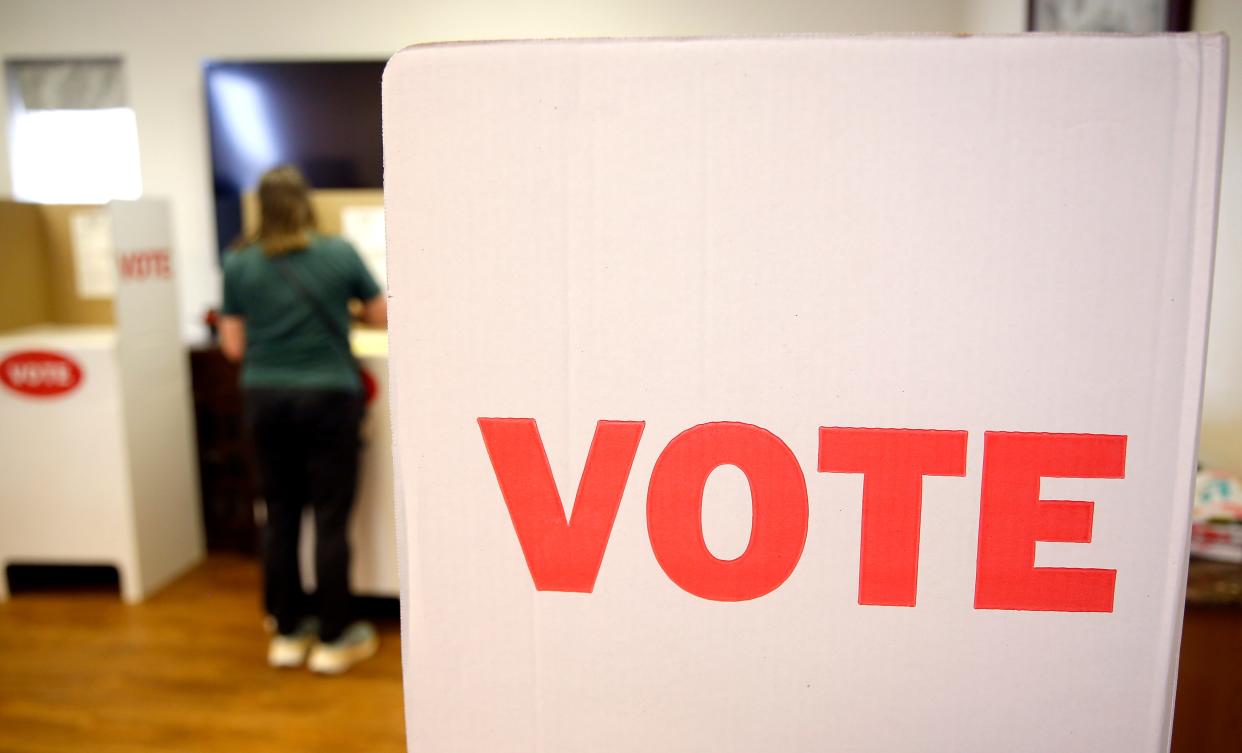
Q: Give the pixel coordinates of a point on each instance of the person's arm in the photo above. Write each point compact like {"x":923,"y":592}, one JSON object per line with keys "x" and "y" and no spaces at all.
{"x":375,"y":311}
{"x":232,"y":325}
{"x":233,"y":337}
{"x":365,"y":290}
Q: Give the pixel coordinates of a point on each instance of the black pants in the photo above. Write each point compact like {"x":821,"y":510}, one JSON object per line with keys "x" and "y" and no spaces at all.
{"x":306,"y":443}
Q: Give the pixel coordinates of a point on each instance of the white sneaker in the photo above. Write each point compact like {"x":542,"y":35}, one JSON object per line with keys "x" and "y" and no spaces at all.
{"x":357,"y":643}
{"x":286,"y":651}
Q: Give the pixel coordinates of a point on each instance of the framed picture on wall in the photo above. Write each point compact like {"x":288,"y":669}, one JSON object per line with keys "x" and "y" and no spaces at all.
{"x":1109,"y":16}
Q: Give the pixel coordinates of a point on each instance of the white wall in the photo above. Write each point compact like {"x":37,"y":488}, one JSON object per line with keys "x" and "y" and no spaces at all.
{"x":164,"y":43}
{"x":995,"y":16}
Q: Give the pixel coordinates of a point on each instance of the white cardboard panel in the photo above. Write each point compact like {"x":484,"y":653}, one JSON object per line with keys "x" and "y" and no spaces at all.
{"x":50,"y":514}
{"x":982,"y":234}
{"x":155,"y":393}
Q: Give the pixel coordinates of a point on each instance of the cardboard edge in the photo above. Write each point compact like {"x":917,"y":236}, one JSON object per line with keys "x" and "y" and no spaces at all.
{"x":403,"y":577}
{"x":1213,"y":59}
{"x":809,"y":36}
{"x":398,"y":489}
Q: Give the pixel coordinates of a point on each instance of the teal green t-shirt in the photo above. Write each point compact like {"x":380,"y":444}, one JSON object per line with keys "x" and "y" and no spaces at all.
{"x":288,"y":345}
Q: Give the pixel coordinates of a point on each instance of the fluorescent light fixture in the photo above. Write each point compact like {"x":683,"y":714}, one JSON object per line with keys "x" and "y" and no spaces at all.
{"x":75,"y":156}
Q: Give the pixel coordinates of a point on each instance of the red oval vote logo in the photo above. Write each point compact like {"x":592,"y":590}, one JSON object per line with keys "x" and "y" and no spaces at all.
{"x":40,"y":373}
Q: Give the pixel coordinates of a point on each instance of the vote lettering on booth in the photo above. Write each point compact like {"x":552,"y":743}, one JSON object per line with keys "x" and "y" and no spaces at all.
{"x":797,"y":394}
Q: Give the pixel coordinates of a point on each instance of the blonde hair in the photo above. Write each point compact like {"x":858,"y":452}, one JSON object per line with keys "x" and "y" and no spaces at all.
{"x":286,"y":219}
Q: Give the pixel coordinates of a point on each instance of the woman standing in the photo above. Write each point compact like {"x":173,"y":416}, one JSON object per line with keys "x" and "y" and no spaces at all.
{"x":285,"y":316}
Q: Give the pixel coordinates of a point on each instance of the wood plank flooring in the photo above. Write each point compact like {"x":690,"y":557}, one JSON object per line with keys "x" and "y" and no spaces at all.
{"x":184,"y":671}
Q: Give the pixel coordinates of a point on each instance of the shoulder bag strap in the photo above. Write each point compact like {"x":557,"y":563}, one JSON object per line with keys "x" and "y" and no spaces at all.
{"x":341,"y":336}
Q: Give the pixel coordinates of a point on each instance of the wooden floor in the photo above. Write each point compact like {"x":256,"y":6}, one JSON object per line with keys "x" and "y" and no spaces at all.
{"x":184,"y":671}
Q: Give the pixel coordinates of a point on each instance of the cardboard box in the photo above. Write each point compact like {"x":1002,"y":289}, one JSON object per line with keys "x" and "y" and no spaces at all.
{"x":39,"y":268}
{"x":848,"y":309}
{"x":96,"y":425}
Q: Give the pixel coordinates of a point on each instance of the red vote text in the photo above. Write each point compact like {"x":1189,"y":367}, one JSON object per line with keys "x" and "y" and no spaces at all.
{"x":39,"y":373}
{"x":145,"y":265}
{"x":566,"y":554}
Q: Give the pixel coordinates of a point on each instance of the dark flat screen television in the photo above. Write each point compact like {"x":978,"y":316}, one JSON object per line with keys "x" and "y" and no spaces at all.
{"x":323,"y":117}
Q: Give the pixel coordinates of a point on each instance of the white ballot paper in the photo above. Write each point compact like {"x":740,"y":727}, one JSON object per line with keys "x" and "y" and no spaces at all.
{"x":94,"y":262}
{"x":363,"y":226}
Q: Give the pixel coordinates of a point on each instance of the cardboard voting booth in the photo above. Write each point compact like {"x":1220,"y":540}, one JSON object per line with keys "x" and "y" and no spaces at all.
{"x":96,"y":426}
{"x":798,"y":394}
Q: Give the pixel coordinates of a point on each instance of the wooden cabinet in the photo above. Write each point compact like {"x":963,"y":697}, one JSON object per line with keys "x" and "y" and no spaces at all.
{"x":229,"y":487}
{"x":1209,"y":679}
